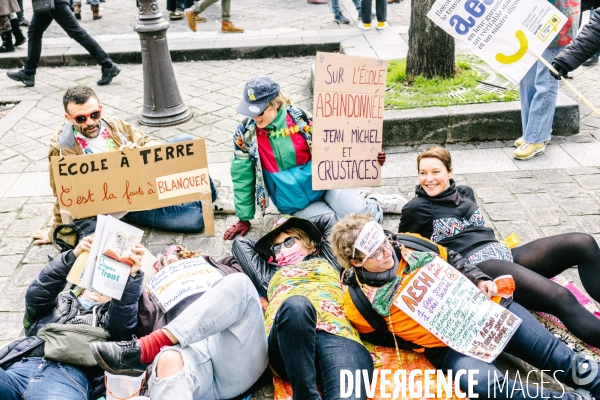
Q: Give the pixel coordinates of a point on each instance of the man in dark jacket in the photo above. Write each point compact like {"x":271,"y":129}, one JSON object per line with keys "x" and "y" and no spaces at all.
{"x":581,"y":49}
{"x":24,"y":372}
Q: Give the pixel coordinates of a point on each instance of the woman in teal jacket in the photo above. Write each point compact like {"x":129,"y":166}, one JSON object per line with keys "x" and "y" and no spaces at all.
{"x":272,"y":159}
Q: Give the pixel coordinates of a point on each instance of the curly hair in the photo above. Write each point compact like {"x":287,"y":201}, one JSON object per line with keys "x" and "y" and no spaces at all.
{"x":343,"y":236}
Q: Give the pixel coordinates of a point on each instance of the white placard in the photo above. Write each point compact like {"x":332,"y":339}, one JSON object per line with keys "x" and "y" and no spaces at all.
{"x":454,"y":310}
{"x":509,"y":35}
{"x":370,"y":237}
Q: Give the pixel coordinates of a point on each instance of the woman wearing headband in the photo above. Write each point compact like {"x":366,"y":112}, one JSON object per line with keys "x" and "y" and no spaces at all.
{"x":448,"y":215}
{"x":310,"y":339}
{"x":383,"y":268}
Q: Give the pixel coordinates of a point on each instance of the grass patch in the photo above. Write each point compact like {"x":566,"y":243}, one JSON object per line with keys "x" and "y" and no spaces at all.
{"x":464,"y":88}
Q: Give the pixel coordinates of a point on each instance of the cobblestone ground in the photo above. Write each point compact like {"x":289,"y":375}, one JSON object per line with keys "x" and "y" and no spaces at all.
{"x":555,"y":193}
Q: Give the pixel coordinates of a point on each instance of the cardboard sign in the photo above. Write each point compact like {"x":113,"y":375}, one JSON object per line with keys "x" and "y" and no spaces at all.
{"x":509,"y":35}
{"x":369,"y":239}
{"x":454,"y":310}
{"x":347,"y":121}
{"x":133,"y":180}
{"x":182,"y":279}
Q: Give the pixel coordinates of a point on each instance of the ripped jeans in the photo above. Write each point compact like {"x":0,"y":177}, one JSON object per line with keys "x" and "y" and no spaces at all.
{"x":222,"y":341}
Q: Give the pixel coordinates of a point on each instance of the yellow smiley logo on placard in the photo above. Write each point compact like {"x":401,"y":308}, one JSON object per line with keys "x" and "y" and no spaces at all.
{"x":523,"y":46}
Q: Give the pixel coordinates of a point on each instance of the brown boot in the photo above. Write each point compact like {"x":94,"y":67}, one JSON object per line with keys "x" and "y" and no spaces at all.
{"x":77,"y":11}
{"x":96,"y":11}
{"x":190,"y":17}
{"x":228,"y":26}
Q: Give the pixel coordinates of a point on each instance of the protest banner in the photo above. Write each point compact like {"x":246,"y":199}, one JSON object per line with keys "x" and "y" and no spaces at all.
{"x":133,"y":180}
{"x":455,"y":311}
{"x":347,"y":121}
{"x":182,"y":279}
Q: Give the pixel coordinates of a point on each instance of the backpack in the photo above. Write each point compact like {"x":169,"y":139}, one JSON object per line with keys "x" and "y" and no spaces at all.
{"x":382,"y":336}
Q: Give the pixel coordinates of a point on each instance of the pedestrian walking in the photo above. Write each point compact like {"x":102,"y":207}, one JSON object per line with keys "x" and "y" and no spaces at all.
{"x":66,"y":19}
{"x":21,"y":15}
{"x":365,"y":14}
{"x":94,"y":5}
{"x":9,"y":26}
{"x":539,"y":91}
{"x":193,"y":15}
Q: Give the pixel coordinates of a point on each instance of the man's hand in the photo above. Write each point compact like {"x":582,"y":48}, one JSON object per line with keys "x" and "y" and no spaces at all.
{"x":381,"y":158}
{"x":489,"y":288}
{"x":84,"y":244}
{"x":561,"y":72}
{"x":41,"y":237}
{"x":136,"y":255}
{"x":128,"y":146}
{"x":241,"y":227}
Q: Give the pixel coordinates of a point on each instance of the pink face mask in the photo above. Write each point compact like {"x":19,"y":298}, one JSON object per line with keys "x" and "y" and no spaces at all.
{"x":289,"y":256}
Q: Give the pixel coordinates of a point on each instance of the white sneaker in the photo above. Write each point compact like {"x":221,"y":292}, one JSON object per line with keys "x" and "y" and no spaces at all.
{"x":389,"y":203}
{"x":223,"y":206}
{"x":363,"y":192}
{"x":364,"y":27}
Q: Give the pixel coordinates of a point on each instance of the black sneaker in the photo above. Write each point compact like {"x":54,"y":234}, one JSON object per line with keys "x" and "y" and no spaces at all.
{"x":108,"y":74}
{"x":591,"y":61}
{"x":119,"y":358}
{"x":21,"y":76}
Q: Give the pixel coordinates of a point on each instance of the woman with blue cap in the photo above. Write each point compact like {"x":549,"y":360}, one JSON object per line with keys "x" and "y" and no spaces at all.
{"x":272,"y":159}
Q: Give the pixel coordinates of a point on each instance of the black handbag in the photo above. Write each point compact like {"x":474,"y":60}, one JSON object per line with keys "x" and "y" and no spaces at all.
{"x":42,"y":6}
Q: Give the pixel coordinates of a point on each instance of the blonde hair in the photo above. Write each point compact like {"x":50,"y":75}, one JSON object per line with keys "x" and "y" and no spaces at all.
{"x":343,"y":236}
{"x":307,"y":242}
{"x":436,"y":152}
{"x":282,"y":100}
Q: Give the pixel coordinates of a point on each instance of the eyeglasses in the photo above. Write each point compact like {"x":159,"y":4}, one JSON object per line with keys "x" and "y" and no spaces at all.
{"x":288,"y":242}
{"x":95,"y":115}
{"x":378,"y":254}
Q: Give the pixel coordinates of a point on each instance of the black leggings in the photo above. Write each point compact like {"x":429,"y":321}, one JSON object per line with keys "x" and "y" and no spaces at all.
{"x":546,"y":258}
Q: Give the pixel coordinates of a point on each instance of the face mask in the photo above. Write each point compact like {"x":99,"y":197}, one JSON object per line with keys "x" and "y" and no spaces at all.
{"x":86,"y":304}
{"x":290,"y":256}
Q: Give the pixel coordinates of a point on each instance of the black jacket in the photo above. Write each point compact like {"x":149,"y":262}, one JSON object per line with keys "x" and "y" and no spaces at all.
{"x":260,"y":270}
{"x":45,"y":304}
{"x":451,"y":208}
{"x":585,"y":45}
{"x":589,"y":4}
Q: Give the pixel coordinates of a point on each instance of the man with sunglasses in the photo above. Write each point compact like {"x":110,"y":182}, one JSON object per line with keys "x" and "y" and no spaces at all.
{"x":87,"y":131}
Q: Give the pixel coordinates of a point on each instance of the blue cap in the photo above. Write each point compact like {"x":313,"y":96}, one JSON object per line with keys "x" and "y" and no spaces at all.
{"x":258,"y":93}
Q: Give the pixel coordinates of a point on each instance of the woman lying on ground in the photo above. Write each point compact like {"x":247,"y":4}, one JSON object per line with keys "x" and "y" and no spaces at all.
{"x":211,"y":345}
{"x":272,"y":158}
{"x":25,"y":372}
{"x":448,"y":215}
{"x":310,"y":339}
{"x":390,"y":266}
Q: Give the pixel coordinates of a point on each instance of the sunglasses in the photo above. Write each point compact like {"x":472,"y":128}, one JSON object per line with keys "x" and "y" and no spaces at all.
{"x":95,"y":115}
{"x":288,"y":242}
{"x":263,"y":112}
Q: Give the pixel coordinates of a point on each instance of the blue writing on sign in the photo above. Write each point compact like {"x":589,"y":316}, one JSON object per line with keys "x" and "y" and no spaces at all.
{"x":474,"y":7}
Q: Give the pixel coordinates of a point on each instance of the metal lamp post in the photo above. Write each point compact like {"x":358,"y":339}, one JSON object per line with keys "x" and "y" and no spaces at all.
{"x":163,"y":105}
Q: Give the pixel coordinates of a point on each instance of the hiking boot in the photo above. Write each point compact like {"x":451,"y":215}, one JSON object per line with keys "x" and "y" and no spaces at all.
{"x":108,"y":74}
{"x":21,"y":76}
{"x":340,"y":18}
{"x":529,"y":150}
{"x":96,"y":12}
{"x":228,"y":26}
{"x":77,"y":11}
{"x":191,"y":19}
{"x":591,"y":61}
{"x":389,"y":203}
{"x":119,"y":358}
{"x":223,"y":206}
{"x":519,"y":142}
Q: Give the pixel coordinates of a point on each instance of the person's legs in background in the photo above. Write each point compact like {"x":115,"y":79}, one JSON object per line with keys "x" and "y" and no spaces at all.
{"x":226,"y":24}
{"x":538,"y":90}
{"x":172,"y":8}
{"x":381,"y":10}
{"x":21,"y":15}
{"x":338,"y":16}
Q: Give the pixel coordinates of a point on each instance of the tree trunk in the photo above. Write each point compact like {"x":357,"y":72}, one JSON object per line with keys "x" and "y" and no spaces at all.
{"x":430,"y":49}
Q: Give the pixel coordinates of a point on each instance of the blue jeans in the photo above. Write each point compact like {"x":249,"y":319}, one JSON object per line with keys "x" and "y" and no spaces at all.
{"x":222,"y":341}
{"x":532,"y":343}
{"x":335,"y":6}
{"x":538,"y":99}
{"x":37,"y":379}
{"x":305,"y":356}
{"x":184,"y":218}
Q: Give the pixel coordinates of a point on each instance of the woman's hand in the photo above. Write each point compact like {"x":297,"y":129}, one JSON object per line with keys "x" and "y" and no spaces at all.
{"x":84,"y":244}
{"x":136,"y":255}
{"x":381,"y":157}
{"x":489,"y":288}
{"x":241,"y":227}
